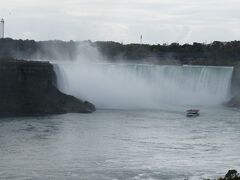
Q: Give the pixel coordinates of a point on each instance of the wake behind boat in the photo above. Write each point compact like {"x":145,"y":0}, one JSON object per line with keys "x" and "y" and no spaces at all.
{"x":192,"y":113}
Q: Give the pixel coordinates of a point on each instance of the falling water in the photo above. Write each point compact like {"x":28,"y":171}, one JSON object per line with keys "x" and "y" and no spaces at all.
{"x":145,"y":86}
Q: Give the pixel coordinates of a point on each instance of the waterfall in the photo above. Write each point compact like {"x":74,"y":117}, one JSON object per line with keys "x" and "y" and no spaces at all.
{"x":145,"y":86}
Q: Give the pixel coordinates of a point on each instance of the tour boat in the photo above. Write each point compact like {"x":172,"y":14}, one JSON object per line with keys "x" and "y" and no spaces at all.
{"x":192,"y":113}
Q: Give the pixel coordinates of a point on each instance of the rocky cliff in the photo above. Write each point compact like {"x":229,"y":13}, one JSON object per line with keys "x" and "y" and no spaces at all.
{"x":28,"y":88}
{"x":235,"y":88}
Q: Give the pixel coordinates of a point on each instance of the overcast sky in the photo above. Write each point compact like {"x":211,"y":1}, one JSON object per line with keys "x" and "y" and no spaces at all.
{"x":159,"y":21}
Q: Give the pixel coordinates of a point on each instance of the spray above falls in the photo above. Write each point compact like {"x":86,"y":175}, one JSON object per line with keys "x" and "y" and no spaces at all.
{"x":145,"y":86}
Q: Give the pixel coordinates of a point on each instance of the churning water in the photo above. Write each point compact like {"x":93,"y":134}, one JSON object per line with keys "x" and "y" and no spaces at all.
{"x":121,"y":144}
{"x":145,"y":86}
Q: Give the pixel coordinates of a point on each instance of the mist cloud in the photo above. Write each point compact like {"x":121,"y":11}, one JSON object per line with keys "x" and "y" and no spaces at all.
{"x":141,"y":86}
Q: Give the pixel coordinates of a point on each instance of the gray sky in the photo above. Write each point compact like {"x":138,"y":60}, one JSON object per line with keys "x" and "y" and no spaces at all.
{"x":159,"y":21}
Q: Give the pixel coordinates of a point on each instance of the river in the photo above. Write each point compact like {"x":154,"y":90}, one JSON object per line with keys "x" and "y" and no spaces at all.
{"x":121,"y":144}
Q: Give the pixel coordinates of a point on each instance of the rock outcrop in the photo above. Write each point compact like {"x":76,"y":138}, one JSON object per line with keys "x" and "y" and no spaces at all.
{"x":235,"y":88}
{"x":234,"y":102}
{"x":27,"y":88}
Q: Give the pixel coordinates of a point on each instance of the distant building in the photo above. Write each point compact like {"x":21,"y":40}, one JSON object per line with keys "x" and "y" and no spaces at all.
{"x":2,"y":28}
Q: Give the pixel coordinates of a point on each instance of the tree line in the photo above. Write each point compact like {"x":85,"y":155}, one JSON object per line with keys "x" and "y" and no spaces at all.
{"x":215,"y":53}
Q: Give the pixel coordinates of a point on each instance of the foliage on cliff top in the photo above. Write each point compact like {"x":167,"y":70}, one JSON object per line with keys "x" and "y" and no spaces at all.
{"x":231,"y":175}
{"x":216,"y":53}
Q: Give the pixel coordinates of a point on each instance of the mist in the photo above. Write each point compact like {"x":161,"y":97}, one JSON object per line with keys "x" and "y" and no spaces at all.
{"x":141,"y":86}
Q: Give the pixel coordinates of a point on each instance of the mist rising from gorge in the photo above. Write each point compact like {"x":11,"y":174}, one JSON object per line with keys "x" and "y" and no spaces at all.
{"x":120,"y":85}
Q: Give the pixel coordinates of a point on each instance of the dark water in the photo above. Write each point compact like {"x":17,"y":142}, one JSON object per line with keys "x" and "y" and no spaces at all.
{"x":118,"y":144}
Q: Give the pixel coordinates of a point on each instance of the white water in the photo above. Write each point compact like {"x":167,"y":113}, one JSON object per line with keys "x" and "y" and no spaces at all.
{"x":145,"y":86}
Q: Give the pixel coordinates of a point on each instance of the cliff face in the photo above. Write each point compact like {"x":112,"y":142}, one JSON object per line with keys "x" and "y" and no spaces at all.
{"x":27,"y":88}
{"x":235,"y":88}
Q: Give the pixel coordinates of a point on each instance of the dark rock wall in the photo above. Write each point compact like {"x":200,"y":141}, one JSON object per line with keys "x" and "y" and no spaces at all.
{"x":235,"y":85}
{"x":235,"y":88}
{"x":28,"y":88}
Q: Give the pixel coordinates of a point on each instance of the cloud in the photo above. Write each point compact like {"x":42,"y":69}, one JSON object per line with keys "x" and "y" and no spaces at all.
{"x":158,"y":20}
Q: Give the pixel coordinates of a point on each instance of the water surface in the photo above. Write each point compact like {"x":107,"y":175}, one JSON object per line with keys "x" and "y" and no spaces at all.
{"x":121,"y":144}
